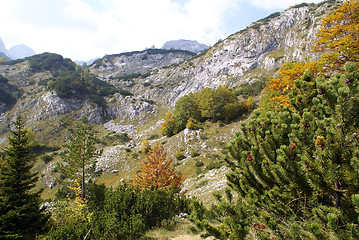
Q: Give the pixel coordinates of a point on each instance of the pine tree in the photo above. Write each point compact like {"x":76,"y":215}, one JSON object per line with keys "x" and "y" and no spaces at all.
{"x":20,"y":213}
{"x":79,"y":161}
{"x":157,"y":171}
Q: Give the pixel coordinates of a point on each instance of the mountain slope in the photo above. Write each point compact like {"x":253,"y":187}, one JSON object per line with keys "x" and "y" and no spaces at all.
{"x":149,"y":83}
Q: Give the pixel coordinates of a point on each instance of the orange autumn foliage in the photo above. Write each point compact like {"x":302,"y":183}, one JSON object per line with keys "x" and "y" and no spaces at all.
{"x":339,"y":36}
{"x":338,"y":41}
{"x":156,"y":171}
{"x":277,"y":89}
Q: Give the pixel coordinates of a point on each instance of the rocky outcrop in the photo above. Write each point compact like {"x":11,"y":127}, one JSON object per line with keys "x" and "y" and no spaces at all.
{"x":188,"y":45}
{"x":136,"y":63}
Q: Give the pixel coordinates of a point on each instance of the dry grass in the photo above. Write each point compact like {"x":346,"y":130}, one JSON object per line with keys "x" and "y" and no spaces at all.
{"x":180,"y":232}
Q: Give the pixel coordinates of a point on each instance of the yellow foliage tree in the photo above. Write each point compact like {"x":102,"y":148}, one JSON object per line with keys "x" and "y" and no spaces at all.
{"x":168,"y":126}
{"x":192,"y":123}
{"x":338,"y":41}
{"x":145,"y":146}
{"x":156,"y":171}
{"x":339,"y":36}
{"x":72,"y":211}
{"x":277,"y":89}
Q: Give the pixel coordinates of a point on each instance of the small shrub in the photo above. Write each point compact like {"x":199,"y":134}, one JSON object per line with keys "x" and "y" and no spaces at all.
{"x":46,"y":158}
{"x":179,"y":155}
{"x":145,"y":146}
{"x":214,"y":165}
{"x":203,"y":137}
{"x":224,"y":151}
{"x":150,"y":101}
{"x":153,"y":136}
{"x":194,"y":154}
{"x":124,"y":92}
{"x":199,"y":164}
{"x":251,"y":89}
{"x":129,"y":77}
{"x":168,"y":224}
{"x":202,"y":184}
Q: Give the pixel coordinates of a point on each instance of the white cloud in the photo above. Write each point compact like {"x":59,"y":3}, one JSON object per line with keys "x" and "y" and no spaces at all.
{"x":74,"y":29}
{"x":84,"y":29}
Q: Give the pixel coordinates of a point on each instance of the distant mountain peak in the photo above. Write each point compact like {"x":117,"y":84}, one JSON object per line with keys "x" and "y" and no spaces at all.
{"x":182,"y":44}
{"x":21,"y":51}
{"x":16,"y":52}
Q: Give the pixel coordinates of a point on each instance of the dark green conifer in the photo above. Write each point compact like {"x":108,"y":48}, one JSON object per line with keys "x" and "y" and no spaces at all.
{"x":20,"y":213}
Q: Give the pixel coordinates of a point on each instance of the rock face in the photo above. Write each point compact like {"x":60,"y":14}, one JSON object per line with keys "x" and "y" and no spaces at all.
{"x":188,"y":45}
{"x":252,"y":54}
{"x":136,"y":63}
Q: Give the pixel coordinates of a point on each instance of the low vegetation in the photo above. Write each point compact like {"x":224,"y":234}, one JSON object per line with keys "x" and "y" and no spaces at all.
{"x":69,"y":80}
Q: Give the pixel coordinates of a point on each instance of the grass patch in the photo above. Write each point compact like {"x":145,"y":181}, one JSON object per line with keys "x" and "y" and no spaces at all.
{"x":179,"y":155}
{"x":115,"y":139}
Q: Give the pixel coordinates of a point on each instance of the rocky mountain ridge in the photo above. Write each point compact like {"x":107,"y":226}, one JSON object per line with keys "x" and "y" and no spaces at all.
{"x":134,"y":64}
{"x":252,"y":54}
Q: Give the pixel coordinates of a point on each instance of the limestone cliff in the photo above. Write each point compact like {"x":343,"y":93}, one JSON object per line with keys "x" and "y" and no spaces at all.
{"x":252,"y":54}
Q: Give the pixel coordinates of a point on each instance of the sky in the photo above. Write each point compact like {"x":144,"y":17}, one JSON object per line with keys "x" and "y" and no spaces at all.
{"x":86,"y":29}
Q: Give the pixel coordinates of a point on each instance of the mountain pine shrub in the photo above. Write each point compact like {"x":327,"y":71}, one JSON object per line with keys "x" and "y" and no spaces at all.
{"x":296,"y":172}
